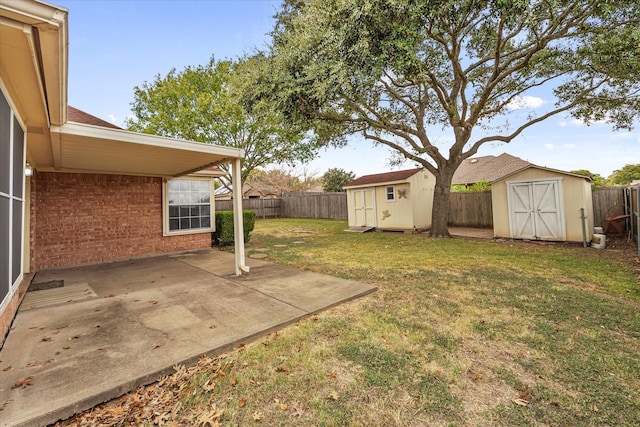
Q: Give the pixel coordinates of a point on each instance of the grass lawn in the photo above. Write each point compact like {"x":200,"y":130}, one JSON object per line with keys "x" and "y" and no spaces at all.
{"x":460,"y":332}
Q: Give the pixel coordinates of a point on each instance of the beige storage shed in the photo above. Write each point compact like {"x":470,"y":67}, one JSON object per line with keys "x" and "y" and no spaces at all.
{"x":539,"y":203}
{"x":397,"y":201}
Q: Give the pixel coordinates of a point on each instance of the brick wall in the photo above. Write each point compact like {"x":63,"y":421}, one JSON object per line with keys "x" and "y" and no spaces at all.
{"x":86,"y":218}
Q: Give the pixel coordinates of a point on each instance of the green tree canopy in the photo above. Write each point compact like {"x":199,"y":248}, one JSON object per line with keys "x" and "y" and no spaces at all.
{"x":597,"y":180}
{"x":201,"y":104}
{"x":334,"y":179}
{"x":625,"y":175}
{"x":435,"y":80}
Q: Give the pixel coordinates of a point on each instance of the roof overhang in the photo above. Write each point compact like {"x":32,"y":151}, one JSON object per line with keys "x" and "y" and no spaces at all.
{"x":377,"y":184}
{"x":33,"y":72}
{"x":531,"y":166}
{"x":84,"y":148}
{"x":33,"y":44}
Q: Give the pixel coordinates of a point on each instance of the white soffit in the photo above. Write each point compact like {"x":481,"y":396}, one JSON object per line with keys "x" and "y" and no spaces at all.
{"x":84,"y":148}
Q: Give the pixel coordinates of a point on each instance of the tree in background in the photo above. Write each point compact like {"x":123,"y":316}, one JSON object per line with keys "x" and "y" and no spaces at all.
{"x":282,"y":180}
{"x":476,"y":186}
{"x":200,"y":104}
{"x":435,"y":80}
{"x":334,"y":179}
{"x":625,"y":175}
{"x":597,"y":180}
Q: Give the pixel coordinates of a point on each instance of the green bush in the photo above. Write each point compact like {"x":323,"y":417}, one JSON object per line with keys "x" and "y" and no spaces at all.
{"x":224,"y":227}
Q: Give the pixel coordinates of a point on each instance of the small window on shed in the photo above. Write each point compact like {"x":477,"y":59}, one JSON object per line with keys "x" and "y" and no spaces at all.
{"x":391,"y":193}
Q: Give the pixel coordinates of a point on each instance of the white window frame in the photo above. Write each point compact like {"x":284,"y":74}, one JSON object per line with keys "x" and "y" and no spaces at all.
{"x":387,"y":194}
{"x":166,"y":231}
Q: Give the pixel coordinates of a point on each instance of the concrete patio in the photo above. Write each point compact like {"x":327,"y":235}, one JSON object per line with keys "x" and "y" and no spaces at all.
{"x":113,"y":327}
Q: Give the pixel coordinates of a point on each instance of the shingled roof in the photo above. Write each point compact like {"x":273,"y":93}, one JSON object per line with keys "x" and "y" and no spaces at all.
{"x":79,"y":116}
{"x":487,"y":168}
{"x":379,"y":178}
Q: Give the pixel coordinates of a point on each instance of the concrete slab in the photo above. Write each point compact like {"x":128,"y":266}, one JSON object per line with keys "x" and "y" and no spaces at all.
{"x":150,"y":315}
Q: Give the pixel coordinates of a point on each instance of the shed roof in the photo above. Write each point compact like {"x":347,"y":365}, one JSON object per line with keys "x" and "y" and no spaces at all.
{"x":380,"y":178}
{"x":487,"y":168}
{"x":530,"y":165}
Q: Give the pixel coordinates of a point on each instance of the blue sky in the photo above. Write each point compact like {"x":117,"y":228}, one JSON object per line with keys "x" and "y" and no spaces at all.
{"x":115,"y":45}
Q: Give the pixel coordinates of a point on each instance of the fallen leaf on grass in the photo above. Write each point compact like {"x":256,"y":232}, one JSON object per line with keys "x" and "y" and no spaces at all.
{"x":520,"y":402}
{"x":333,"y":395}
{"x":46,"y":339}
{"x":281,"y":370}
{"x":210,"y":418}
{"x":257,"y":416}
{"x":298,"y":410}
{"x":8,"y":368}
{"x":242,"y":402}
{"x":23,"y":382}
{"x":152,"y":302}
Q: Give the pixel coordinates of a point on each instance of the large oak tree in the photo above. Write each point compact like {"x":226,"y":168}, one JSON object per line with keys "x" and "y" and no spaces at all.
{"x":437,"y":79}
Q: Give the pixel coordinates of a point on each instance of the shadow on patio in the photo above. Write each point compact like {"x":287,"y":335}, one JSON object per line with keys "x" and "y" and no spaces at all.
{"x":113,"y":327}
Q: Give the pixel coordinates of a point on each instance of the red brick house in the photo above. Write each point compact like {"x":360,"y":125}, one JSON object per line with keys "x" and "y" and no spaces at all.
{"x":75,"y":189}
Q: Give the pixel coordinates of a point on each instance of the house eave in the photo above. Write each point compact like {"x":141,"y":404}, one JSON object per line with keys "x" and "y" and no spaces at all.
{"x":77,"y":147}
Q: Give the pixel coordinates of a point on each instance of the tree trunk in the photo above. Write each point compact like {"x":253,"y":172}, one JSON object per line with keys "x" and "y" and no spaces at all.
{"x":440,"y":212}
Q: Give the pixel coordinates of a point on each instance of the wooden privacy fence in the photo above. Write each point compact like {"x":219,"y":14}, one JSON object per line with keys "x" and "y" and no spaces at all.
{"x":606,"y":201}
{"x":466,"y":209}
{"x":295,"y":205}
{"x":315,"y":205}
{"x":264,"y":208}
{"x":471,"y":209}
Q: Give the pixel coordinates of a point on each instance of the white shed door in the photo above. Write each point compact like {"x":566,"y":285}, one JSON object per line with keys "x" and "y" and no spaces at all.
{"x":535,"y":210}
{"x":364,"y":205}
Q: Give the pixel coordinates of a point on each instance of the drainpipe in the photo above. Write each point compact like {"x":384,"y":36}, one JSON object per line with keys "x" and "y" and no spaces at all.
{"x":584,"y":228}
{"x":238,"y":225}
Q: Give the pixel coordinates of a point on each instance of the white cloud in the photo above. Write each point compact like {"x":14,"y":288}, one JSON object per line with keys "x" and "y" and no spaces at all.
{"x":112,"y":118}
{"x":569,"y":146}
{"x":550,"y":146}
{"x":579,"y":122}
{"x":525,"y":102}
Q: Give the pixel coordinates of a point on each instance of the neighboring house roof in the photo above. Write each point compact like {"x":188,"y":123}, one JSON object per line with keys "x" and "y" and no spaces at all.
{"x":380,"y":178}
{"x":249,"y":189}
{"x":79,"y":116}
{"x":487,"y":168}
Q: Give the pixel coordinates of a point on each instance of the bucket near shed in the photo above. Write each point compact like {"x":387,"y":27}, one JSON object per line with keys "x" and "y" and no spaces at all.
{"x":598,"y":230}
{"x":599,"y":241}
